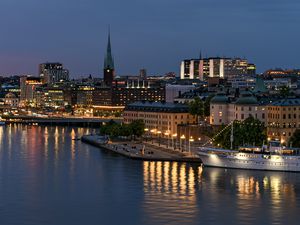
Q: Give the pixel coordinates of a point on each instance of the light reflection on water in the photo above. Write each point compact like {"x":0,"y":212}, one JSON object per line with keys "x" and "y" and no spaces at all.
{"x":47,"y":178}
{"x":216,"y":196}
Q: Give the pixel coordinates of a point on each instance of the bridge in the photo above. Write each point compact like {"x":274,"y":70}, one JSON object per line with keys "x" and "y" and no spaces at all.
{"x":64,"y":121}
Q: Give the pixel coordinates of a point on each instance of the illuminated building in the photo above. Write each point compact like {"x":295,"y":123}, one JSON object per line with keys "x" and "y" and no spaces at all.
{"x":283,"y":119}
{"x":85,"y":95}
{"x":215,"y":67}
{"x":125,"y":92}
{"x":11,"y":100}
{"x":159,"y":117}
{"x":53,"y":73}
{"x":102,"y":96}
{"x":52,"y":97}
{"x":189,"y":69}
{"x":28,"y":87}
{"x":224,"y":111}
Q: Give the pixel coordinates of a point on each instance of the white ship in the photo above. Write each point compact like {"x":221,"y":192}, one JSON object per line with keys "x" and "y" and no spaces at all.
{"x":272,"y":157}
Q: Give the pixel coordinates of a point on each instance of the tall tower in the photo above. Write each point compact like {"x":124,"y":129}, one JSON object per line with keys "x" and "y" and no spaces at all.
{"x":109,"y":68}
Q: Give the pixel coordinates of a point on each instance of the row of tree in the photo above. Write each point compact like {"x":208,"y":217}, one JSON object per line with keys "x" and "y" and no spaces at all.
{"x":249,"y":132}
{"x":200,"y":108}
{"x":113,"y":129}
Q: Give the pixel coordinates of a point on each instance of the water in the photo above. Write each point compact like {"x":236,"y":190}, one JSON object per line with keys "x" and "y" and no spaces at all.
{"x":46,"y":178}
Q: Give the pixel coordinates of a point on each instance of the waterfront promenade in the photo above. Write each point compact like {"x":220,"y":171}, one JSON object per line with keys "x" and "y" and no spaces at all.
{"x":141,"y":150}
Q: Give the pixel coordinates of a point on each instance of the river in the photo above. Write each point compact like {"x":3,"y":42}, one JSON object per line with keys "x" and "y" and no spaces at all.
{"x":48,"y":178}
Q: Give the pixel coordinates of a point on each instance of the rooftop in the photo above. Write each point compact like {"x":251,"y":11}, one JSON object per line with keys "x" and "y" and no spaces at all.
{"x":287,"y":102}
{"x":157,"y":107}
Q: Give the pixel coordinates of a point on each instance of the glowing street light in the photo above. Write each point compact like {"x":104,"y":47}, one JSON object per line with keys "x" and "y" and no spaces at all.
{"x":158,"y":133}
{"x":190,"y":140}
{"x":174,"y":136}
{"x":167,"y":134}
{"x":182,"y":137}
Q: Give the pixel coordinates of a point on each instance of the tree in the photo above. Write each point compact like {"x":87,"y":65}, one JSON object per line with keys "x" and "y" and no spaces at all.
{"x":295,"y":139}
{"x":113,"y":129}
{"x":196,"y":108}
{"x":284,"y":91}
{"x":249,"y":132}
{"x":207,"y":105}
{"x":137,"y":127}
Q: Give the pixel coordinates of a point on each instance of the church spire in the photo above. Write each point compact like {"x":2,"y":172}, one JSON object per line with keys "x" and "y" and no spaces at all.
{"x":109,"y":67}
{"x":109,"y":61}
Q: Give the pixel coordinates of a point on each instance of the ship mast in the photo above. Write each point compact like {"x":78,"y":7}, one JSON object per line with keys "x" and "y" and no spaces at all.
{"x":231,"y":136}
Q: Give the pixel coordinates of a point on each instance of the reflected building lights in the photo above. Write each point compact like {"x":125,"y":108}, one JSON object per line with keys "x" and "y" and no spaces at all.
{"x":167,"y":183}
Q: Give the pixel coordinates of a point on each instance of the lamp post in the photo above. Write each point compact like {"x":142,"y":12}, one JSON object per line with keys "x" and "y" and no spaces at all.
{"x":167,"y":134}
{"x":146,"y":131}
{"x":152,"y":132}
{"x":174,"y":136}
{"x":158,"y":133}
{"x":190,"y":140}
{"x":181,"y":139}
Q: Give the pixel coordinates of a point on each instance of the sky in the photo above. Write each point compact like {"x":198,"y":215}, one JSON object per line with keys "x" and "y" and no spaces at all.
{"x":151,"y":34}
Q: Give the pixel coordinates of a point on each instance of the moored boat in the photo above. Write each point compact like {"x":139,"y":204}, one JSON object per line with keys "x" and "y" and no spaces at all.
{"x":273,"y":157}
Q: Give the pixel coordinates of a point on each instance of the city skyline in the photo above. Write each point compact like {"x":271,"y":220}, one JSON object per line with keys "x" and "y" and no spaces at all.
{"x":76,"y":34}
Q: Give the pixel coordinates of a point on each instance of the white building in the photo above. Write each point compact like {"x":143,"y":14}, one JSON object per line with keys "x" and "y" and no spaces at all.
{"x":222,"y":111}
{"x":189,"y":69}
{"x":215,"y":67}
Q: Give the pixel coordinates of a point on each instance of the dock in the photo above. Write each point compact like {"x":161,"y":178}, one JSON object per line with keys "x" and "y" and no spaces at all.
{"x":140,"y":150}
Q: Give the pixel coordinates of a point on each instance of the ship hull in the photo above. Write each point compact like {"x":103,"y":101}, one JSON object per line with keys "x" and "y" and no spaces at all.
{"x":286,"y":164}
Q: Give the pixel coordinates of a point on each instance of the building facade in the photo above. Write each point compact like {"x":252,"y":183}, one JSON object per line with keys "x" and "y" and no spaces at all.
{"x":215,"y":67}
{"x":223,"y":111}
{"x":283,"y":119}
{"x":159,"y":118}
{"x":53,"y":73}
{"x":189,"y":69}
{"x":28,"y":86}
{"x":125,"y":92}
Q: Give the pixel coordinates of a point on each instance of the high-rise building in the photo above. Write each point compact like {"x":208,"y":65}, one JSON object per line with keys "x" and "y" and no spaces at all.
{"x":190,"y":69}
{"x":53,"y":73}
{"x":215,"y":67}
{"x":109,"y":67}
{"x":28,"y":87}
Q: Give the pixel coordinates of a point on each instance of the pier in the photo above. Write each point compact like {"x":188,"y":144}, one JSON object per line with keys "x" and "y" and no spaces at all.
{"x":141,"y":150}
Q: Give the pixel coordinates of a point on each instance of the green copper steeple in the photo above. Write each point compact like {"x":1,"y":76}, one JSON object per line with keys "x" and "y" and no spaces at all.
{"x":109,"y":61}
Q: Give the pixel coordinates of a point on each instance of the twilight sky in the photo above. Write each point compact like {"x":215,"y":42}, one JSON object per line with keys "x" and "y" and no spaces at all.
{"x":155,"y":34}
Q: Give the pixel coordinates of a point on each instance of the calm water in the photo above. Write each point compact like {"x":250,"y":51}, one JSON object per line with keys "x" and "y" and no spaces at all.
{"x":46,"y":178}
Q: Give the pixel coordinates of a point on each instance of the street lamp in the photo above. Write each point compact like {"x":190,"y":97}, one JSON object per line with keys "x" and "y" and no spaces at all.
{"x":167,"y":134}
{"x":174,"y":136}
{"x":146,"y":131}
{"x":158,"y":132}
{"x":152,"y":132}
{"x":181,"y":139}
{"x":190,"y":140}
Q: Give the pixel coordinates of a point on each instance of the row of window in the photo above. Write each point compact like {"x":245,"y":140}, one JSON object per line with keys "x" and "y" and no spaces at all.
{"x":283,"y":109}
{"x":284,"y":116}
